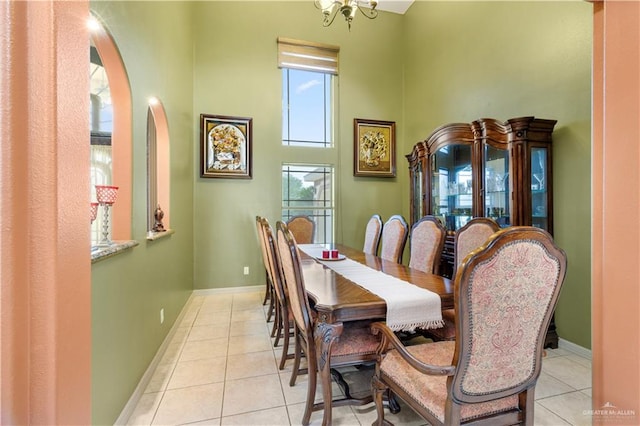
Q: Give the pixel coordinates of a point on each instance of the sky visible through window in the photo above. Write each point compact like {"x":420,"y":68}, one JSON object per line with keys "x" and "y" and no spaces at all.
{"x":306,"y":100}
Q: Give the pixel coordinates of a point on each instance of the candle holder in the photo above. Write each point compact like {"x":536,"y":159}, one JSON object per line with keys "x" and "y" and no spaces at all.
{"x":106,"y":196}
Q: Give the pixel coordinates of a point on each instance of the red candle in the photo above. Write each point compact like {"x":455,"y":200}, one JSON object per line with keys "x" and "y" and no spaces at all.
{"x":334,"y":254}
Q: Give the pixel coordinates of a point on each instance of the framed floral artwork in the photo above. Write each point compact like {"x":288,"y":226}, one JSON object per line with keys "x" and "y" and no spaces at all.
{"x":225,"y":146}
{"x":374,"y":151}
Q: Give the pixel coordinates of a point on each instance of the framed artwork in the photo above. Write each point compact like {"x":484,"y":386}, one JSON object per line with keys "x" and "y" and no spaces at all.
{"x":225,"y":146}
{"x":374,"y":148}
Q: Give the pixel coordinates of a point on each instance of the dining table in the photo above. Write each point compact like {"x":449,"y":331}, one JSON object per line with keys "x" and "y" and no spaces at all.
{"x":337,"y":299}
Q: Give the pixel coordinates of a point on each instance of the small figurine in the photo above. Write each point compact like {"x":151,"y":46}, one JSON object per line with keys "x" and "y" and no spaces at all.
{"x":158,"y":214}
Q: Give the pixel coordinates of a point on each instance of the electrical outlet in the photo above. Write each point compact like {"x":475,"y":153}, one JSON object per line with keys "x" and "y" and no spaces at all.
{"x":246,"y":270}
{"x":161,"y":315}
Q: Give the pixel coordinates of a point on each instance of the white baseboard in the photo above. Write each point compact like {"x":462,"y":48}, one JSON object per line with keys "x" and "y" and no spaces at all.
{"x":576,"y":349}
{"x":131,"y":405}
{"x":246,"y":289}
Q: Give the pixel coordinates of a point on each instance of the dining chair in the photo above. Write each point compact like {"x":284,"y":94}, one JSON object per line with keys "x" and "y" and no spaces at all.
{"x":425,"y":244}
{"x":468,"y":238}
{"x":372,"y":234}
{"x":505,"y":295}
{"x":283,"y":320}
{"x":394,"y":238}
{"x":268,"y":291}
{"x":303,"y":229}
{"x":356,"y":345}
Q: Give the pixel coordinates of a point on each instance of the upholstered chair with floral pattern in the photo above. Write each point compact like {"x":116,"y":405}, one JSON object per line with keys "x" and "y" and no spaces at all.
{"x":303,"y":229}
{"x":505,"y":294}
{"x":425,"y":243}
{"x":468,"y":238}
{"x":372,"y":235}
{"x":356,"y":345}
{"x":394,"y":238}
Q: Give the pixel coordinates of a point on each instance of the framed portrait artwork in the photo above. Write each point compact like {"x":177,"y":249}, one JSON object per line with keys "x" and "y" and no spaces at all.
{"x":225,"y":146}
{"x":374,"y":148}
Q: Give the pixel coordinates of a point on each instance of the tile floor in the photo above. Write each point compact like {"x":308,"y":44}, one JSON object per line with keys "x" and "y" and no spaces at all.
{"x":221,"y":368}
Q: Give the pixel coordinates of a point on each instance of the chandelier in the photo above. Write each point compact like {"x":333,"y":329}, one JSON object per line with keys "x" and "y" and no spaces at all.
{"x":346,"y":8}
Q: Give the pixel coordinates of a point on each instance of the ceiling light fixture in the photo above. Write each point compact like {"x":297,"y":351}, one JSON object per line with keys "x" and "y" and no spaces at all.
{"x":346,"y":8}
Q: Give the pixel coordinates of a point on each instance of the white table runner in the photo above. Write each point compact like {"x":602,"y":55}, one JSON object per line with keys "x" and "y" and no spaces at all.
{"x":408,"y":306}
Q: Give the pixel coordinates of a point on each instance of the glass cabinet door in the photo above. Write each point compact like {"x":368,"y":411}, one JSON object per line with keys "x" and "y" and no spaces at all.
{"x":539,"y":188}
{"x":496,"y":185}
{"x":452,"y":185}
{"x":418,"y":200}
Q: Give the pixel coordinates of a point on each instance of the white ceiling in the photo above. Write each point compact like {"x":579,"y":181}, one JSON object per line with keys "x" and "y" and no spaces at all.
{"x":396,"y":6}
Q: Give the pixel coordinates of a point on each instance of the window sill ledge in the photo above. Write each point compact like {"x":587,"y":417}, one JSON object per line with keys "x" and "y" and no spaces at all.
{"x":100,"y":253}
{"x":152,"y":236}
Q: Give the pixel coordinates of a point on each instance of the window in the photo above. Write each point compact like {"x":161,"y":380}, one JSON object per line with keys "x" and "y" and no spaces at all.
{"x":101,"y":120}
{"x":306,"y":107}
{"x":308,"y":190}
{"x":309,"y":73}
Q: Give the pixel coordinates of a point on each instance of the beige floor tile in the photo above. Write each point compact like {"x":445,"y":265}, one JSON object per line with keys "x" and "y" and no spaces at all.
{"x":406,"y":417}
{"x":198,"y":372}
{"x":146,"y":409}
{"x":570,"y":372}
{"x":160,"y":378}
{"x":298,"y":393}
{"x":250,"y":328}
{"x":580,"y":360}
{"x":247,"y":315}
{"x":549,"y":386}
{"x":340,"y":416}
{"x":208,"y":332}
{"x":247,"y":344}
{"x":252,"y":394}
{"x":191,"y":404}
{"x":587,"y":392}
{"x":551,"y":353}
{"x":270,"y":417}
{"x":571,"y":407}
{"x":251,"y":364}
{"x":544,"y":417}
{"x":213,"y":318}
{"x":203,"y":349}
{"x":208,"y":422}
{"x":171,"y":353}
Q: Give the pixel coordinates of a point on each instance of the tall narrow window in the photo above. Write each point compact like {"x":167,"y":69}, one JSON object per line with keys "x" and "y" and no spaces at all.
{"x":101,"y":128}
{"x":308,"y":190}
{"x":307,"y":92}
{"x":309,"y":72}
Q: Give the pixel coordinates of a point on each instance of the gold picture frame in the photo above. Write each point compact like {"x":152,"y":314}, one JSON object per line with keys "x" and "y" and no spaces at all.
{"x":225,"y":146}
{"x":374,"y":148}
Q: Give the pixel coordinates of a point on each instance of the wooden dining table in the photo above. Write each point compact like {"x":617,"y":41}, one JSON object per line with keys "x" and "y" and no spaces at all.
{"x":336,"y":300}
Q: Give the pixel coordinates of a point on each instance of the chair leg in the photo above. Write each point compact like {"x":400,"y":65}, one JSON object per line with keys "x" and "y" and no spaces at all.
{"x":277,"y":325}
{"x":311,"y":388}
{"x":378,"y":389}
{"x":267,"y":291}
{"x":296,"y":360}
{"x":272,"y":303}
{"x":285,"y":344}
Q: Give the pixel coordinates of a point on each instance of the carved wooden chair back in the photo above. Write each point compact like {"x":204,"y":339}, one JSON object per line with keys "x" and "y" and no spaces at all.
{"x":268,"y":291}
{"x":303,"y":229}
{"x":394,"y":238}
{"x":372,"y":235}
{"x":505,"y":294}
{"x":426,"y":243}
{"x":283,"y":318}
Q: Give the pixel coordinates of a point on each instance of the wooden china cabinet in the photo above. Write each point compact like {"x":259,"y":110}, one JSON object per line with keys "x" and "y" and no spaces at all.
{"x":486,"y":168}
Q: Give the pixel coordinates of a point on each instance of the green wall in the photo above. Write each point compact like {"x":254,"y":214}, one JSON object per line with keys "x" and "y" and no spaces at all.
{"x":469,"y":60}
{"x":236,"y":73}
{"x":128,"y":290}
{"x":441,"y":62}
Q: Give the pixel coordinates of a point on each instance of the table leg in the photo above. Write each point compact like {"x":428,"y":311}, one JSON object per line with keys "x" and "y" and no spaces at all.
{"x":324,"y":337}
